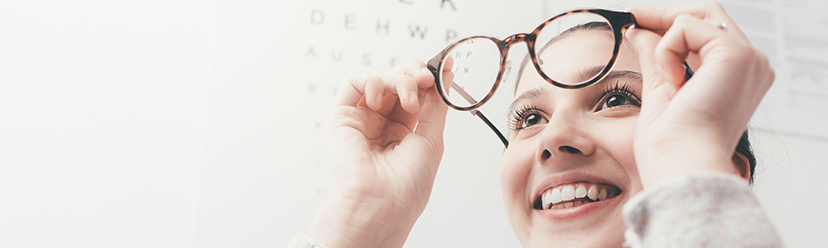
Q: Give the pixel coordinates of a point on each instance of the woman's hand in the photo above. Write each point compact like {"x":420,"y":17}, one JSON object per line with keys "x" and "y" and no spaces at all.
{"x":693,"y":126}
{"x":384,"y":146}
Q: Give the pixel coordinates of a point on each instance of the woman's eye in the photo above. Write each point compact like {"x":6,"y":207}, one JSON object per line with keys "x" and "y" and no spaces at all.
{"x":531,"y":120}
{"x":615,"y":100}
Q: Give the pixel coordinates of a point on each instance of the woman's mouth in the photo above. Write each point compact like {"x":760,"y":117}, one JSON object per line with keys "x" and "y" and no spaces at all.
{"x":575,"y":194}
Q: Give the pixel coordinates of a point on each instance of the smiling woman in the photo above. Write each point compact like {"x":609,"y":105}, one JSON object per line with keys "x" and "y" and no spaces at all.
{"x":565,"y":143}
{"x":570,"y":168}
{"x":609,"y":143}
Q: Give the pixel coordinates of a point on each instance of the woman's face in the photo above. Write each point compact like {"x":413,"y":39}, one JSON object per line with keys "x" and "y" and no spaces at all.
{"x":565,"y":141}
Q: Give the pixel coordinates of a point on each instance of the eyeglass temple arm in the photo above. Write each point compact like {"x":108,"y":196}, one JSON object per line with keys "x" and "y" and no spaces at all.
{"x":479,"y":114}
{"x":688,"y":73}
{"x":488,"y":123}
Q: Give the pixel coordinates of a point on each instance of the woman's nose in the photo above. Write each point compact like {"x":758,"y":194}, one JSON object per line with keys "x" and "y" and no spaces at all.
{"x":565,"y":137}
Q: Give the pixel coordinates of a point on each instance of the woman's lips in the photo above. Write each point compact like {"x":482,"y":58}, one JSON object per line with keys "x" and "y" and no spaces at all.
{"x":578,"y":211}
{"x":568,"y":178}
{"x":573,"y":194}
{"x":569,"y":195}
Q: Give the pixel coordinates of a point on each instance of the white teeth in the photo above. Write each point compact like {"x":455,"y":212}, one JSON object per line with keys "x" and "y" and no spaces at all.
{"x":602,"y":195}
{"x":581,"y":191}
{"x":555,"y":196}
{"x":568,"y":193}
{"x":592,"y":193}
{"x":575,"y":195}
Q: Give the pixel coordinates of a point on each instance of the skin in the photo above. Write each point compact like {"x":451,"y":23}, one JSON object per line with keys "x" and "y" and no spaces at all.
{"x":386,"y":134}
{"x":604,"y":139}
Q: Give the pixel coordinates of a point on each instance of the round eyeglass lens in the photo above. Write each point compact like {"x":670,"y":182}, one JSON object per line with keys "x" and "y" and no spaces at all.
{"x":574,"y":48}
{"x":469,"y":71}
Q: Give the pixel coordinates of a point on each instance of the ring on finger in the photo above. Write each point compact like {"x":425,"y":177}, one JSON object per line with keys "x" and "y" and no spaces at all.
{"x":722,"y":26}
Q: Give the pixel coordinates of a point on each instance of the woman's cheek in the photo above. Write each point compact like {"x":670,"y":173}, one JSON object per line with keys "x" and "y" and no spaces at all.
{"x":515,"y":170}
{"x":625,"y":153}
{"x":622,"y":142}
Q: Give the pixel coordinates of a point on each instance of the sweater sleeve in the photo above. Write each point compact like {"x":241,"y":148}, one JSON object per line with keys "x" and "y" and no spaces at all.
{"x":704,"y":210}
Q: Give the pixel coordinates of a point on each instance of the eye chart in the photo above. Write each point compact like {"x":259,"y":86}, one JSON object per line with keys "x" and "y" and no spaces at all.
{"x":278,"y":67}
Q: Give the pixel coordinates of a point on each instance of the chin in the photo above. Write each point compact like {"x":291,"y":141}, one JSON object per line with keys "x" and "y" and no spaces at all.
{"x":591,"y":220}
{"x":606,"y":232}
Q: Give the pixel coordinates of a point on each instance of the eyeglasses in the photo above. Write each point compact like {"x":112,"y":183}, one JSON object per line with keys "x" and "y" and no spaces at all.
{"x":469,"y":71}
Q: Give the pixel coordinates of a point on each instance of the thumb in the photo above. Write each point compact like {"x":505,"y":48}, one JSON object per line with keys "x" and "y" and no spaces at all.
{"x":644,"y":43}
{"x":656,"y":93}
{"x":432,"y":118}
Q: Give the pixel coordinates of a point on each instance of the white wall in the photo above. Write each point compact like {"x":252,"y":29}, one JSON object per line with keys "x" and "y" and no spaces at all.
{"x":195,"y":124}
{"x":788,"y":182}
{"x":101,"y":120}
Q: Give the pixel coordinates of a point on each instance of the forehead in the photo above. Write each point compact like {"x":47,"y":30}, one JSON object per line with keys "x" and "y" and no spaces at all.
{"x":572,"y":57}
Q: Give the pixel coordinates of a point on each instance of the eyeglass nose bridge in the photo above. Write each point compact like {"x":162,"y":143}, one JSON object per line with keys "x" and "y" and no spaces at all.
{"x":512,"y":40}
{"x":505,"y":45}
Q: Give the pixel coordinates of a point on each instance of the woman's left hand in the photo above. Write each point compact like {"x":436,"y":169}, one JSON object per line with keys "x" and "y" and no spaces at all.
{"x":693,"y":126}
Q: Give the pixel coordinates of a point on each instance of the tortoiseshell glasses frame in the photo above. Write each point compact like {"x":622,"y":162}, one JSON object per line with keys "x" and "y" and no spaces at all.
{"x":620,"y":22}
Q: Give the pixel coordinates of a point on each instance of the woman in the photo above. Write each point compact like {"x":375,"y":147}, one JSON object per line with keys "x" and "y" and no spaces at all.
{"x":591,"y":167}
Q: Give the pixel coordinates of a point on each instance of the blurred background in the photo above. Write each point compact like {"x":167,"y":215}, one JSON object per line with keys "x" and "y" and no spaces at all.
{"x":189,"y":123}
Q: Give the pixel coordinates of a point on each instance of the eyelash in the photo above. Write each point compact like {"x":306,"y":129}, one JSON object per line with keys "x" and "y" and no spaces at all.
{"x":520,"y":113}
{"x":617,"y":88}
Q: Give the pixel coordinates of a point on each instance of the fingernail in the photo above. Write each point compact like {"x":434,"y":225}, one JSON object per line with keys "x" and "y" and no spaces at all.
{"x":425,"y":71}
{"x":379,"y":100}
{"x":630,"y":34}
{"x":412,"y":97}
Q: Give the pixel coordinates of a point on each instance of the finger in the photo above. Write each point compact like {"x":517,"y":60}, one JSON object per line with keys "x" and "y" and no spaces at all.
{"x":644,"y":43}
{"x":391,"y":104}
{"x":432,"y":119}
{"x":652,"y":18}
{"x":361,"y":90}
{"x":423,"y":78}
{"x":660,"y":20}
{"x":655,"y":93}
{"x":405,"y":87}
{"x":447,"y":75}
{"x":688,"y":34}
{"x":417,"y":70}
{"x":399,"y":115}
{"x":410,"y":120}
{"x":371,"y":89}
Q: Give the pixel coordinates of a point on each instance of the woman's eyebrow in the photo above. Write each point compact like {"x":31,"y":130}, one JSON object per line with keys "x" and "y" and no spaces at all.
{"x":592,"y":71}
{"x":534,"y":93}
{"x":625,"y":73}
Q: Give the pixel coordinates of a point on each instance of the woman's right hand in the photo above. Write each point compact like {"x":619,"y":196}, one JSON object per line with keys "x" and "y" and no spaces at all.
{"x":385,"y":144}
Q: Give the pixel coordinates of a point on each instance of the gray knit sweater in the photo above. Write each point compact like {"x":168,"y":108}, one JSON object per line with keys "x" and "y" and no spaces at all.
{"x":704,"y":210}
